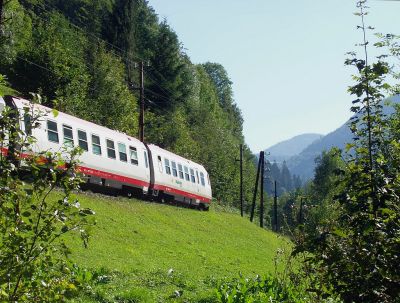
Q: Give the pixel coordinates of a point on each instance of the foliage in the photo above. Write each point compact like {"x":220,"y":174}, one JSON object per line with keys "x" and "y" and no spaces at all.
{"x":83,"y":57}
{"x":261,"y":289}
{"x":144,"y":241}
{"x":353,"y":249}
{"x":285,"y":181}
{"x":4,"y":86}
{"x":33,"y":256}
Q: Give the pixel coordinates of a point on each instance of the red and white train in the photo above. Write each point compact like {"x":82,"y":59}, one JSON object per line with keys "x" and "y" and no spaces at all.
{"x":116,"y":161}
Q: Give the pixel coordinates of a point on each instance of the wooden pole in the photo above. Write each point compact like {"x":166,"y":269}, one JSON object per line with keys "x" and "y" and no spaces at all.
{"x":275,"y":209}
{"x":141,"y":116}
{"x":241,"y":180}
{"x":262,"y":191}
{"x":253,"y":205}
{"x":1,"y":14}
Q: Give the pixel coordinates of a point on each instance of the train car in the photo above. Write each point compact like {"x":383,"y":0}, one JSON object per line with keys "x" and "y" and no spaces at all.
{"x":115,"y":161}
{"x":180,"y":179}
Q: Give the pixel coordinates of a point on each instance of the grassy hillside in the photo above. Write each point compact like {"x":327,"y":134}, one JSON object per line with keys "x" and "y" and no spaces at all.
{"x":144,"y":252}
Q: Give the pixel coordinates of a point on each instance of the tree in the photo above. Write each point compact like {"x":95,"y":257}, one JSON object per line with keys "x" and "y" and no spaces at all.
{"x":167,"y":72}
{"x":33,"y":256}
{"x":223,"y":86}
{"x":356,"y":255}
{"x":286,"y":177}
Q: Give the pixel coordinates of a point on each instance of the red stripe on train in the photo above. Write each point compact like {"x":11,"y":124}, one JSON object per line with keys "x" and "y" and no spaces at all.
{"x":110,"y":176}
{"x":181,"y":193}
{"x":123,"y":179}
{"x":128,"y":180}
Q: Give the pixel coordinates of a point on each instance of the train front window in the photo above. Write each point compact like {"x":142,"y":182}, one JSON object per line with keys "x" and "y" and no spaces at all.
{"x":68,"y":136}
{"x":122,"y":152}
{"x":110,"y":149}
{"x":197,"y":175}
{"x":96,"y":147}
{"x":202,"y":179}
{"x":82,"y":139}
{"x":167,"y":167}
{"x":192,"y":178}
{"x":52,"y":131}
{"x":180,"y":169}
{"x":133,"y":156}
{"x":187,"y":173}
{"x":174,"y":170}
{"x":28,"y":124}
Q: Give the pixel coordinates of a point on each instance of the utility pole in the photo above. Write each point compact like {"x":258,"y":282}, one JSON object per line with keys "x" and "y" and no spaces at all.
{"x":275,"y":208}
{"x":1,"y":14}
{"x":141,"y":88}
{"x":241,"y":180}
{"x":262,"y":190}
{"x":253,"y":205}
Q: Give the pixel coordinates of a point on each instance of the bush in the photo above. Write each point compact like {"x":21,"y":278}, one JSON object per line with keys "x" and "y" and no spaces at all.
{"x":34,"y":263}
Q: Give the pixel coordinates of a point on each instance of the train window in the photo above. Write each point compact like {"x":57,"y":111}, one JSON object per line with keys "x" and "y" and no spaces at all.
{"x":52,"y":131}
{"x":110,"y":149}
{"x":146,"y":161}
{"x":174,"y":170}
{"x":96,"y":147}
{"x":28,"y":124}
{"x":82,"y":138}
{"x":122,"y":152}
{"x":192,"y":176}
{"x":197,"y":175}
{"x":208,"y":179}
{"x":160,"y":164}
{"x":68,"y":136}
{"x":133,"y":156}
{"x":186,"y":173}
{"x":180,"y":169}
{"x":167,"y":167}
{"x":202,"y":179}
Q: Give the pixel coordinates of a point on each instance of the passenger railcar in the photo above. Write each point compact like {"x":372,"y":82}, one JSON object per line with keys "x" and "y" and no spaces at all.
{"x":115,"y":161}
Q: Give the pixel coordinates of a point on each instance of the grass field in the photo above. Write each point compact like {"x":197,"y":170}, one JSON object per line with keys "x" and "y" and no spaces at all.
{"x":148,"y":252}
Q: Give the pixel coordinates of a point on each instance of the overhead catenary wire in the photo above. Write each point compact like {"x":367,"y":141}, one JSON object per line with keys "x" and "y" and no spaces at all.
{"x":160,"y":108}
{"x":123,"y":53}
{"x":167,"y":97}
{"x":91,"y":66}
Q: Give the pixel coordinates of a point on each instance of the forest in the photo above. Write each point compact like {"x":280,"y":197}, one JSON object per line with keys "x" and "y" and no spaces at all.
{"x":82,"y":57}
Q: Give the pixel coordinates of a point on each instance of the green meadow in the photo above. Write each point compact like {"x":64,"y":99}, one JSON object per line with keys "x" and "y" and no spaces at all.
{"x":148,"y":252}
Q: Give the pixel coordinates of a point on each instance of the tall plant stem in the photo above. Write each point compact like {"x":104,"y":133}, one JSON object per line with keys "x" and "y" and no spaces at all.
{"x":368,"y":105}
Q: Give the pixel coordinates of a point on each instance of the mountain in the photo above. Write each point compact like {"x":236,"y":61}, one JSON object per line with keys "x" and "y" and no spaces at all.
{"x":303,"y":164}
{"x":285,"y":150}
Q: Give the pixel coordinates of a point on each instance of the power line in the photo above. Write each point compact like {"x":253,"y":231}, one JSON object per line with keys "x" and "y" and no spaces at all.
{"x":123,"y":54}
{"x":122,"y":51}
{"x":91,"y":66}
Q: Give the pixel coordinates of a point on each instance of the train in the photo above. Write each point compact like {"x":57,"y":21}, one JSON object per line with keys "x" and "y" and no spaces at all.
{"x":112,"y":161}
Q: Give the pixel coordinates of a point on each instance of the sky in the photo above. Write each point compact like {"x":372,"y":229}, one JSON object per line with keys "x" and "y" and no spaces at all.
{"x":285,"y":58}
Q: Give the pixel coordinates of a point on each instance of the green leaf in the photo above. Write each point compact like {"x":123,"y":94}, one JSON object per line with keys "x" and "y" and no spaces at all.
{"x":54,"y":112}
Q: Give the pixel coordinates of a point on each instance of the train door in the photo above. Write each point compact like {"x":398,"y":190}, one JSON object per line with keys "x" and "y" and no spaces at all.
{"x":198,"y":188}
{"x":146,"y":165}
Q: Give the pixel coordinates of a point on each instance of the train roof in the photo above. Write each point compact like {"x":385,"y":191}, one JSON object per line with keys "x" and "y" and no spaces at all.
{"x":97,"y":129}
{"x":90,"y":126}
{"x":173,"y":155}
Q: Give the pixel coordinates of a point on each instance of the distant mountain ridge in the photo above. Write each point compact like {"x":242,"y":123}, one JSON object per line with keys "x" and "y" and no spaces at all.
{"x":285,"y":150}
{"x":303,"y":163}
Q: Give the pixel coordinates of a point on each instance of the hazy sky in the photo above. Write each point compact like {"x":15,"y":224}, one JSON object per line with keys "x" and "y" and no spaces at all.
{"x":285,"y":58}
